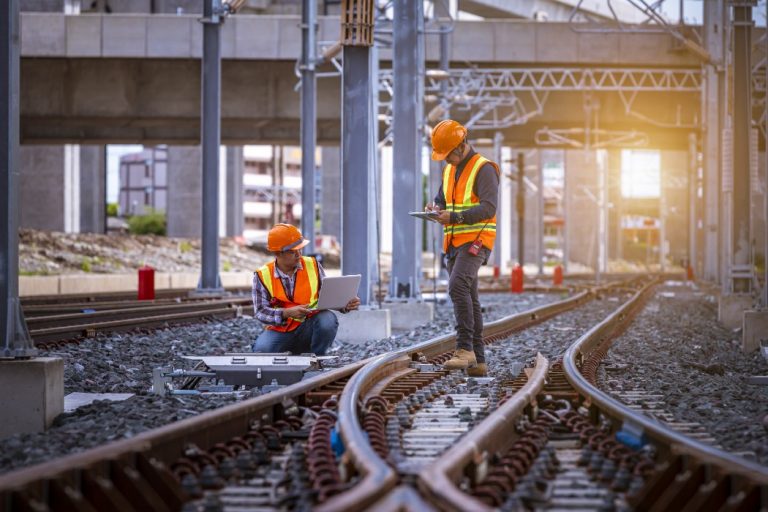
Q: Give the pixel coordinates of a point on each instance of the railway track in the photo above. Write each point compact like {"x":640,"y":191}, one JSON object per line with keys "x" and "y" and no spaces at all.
{"x":398,"y":432}
{"x":52,"y":325}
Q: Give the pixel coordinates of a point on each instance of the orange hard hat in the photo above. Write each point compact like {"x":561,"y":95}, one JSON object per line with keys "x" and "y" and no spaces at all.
{"x":446,"y":136}
{"x":285,"y":237}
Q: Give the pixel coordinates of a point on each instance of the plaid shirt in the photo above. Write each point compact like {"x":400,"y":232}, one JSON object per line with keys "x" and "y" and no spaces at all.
{"x":261,"y":297}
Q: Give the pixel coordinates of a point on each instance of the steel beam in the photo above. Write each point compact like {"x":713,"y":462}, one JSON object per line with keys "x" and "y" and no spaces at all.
{"x":714,"y":17}
{"x":308,"y":119}
{"x":357,"y":164}
{"x":741,"y":271}
{"x":16,"y":342}
{"x":210,"y":282}
{"x":407,"y":148}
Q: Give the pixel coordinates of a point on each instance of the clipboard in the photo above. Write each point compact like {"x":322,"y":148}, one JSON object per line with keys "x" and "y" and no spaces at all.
{"x":431,"y":216}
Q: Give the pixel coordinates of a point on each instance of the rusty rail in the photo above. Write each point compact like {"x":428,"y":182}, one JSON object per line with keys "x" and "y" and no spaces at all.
{"x":494,"y":434}
{"x":686,"y":456}
{"x":377,"y":476}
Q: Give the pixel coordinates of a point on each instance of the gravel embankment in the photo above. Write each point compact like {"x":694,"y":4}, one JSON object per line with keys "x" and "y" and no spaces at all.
{"x":676,"y":348}
{"x":123,"y":363}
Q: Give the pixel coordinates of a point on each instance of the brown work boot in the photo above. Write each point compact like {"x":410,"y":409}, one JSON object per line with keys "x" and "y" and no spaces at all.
{"x":461,"y":360}
{"x":481,"y":370}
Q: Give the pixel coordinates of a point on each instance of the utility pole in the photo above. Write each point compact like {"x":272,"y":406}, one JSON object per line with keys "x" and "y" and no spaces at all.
{"x":213,"y":17}
{"x":16,"y":342}
{"x":308,"y":119}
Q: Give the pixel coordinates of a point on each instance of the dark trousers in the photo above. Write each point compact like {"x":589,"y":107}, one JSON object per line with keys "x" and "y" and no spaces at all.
{"x":462,"y":287}
{"x":314,"y":335}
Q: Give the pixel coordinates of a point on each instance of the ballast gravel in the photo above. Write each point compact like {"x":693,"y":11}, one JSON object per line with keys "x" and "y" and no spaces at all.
{"x":677,"y":349}
{"x":123,"y":363}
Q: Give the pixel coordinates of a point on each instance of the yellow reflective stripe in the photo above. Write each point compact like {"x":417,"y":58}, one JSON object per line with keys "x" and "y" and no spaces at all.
{"x":456,"y":229}
{"x":446,"y":182}
{"x":313,"y":276}
{"x":471,"y":180}
{"x":266,"y":278}
{"x":459,"y":207}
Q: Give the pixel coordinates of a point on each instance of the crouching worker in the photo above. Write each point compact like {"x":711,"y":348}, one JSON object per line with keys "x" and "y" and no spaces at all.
{"x":284,"y":293}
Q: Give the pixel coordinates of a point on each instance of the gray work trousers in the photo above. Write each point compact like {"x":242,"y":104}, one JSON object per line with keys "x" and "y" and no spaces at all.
{"x":462,"y":287}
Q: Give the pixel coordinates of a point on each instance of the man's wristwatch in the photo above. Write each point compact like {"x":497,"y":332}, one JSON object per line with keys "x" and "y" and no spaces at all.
{"x":459,"y":218}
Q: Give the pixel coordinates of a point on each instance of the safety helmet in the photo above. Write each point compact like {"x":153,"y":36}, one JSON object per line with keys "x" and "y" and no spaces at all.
{"x":446,"y":136}
{"x":285,"y":237}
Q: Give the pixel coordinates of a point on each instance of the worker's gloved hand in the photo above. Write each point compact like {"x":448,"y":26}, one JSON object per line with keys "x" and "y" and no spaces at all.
{"x":297,"y":312}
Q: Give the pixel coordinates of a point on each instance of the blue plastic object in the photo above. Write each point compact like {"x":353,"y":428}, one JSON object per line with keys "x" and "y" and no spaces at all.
{"x":336,"y":442}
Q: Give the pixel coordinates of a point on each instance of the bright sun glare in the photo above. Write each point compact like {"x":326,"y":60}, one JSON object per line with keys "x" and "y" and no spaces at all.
{"x":640,"y":173}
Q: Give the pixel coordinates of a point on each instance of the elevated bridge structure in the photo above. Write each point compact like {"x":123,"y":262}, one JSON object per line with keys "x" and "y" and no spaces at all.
{"x":95,"y":79}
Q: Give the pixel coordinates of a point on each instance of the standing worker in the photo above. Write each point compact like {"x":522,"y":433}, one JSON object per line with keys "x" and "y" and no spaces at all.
{"x":284,"y":293}
{"x":466,"y":207}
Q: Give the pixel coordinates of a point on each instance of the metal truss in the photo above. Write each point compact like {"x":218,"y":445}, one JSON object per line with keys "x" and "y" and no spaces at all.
{"x":500,"y":98}
{"x":593,"y":138}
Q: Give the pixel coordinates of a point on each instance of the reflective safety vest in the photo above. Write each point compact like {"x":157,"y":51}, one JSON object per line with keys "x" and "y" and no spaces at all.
{"x":305,"y":291}
{"x":459,"y":197}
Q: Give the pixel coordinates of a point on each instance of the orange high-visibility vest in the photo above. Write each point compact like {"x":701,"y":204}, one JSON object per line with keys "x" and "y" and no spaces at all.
{"x":306,"y":290}
{"x":459,"y":197}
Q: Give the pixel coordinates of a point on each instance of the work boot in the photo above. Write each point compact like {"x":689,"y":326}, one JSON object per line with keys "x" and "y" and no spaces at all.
{"x":461,"y":360}
{"x":481,"y":370}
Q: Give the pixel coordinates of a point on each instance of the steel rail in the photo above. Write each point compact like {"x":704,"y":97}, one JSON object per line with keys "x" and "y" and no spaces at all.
{"x":662,"y":435}
{"x":108,"y":315}
{"x":167,"y":443}
{"x":377,"y":476}
{"x":78,"y":307}
{"x":496,"y":433}
{"x":70,"y":332}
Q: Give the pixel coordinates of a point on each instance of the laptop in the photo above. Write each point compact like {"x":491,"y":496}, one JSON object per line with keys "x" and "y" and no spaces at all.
{"x":336,"y":292}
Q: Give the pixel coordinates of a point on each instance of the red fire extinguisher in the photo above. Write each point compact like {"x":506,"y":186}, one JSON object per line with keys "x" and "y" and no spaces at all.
{"x":146,"y":283}
{"x":517,"y":279}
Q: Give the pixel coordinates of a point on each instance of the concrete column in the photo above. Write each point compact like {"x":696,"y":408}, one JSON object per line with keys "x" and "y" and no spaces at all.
{"x":330,"y":213}
{"x":675,"y":170}
{"x":714,"y":23}
{"x":71,"y":188}
{"x":613,"y":195}
{"x":41,"y":196}
{"x":185,"y":192}
{"x":581,"y":206}
{"x":234,"y":201}
{"x":93,"y":189}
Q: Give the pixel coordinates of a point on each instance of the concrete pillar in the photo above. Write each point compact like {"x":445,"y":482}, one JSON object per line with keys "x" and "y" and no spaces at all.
{"x":185,"y":192}
{"x":581,"y":207}
{"x":93,"y":189}
{"x":674,"y":183}
{"x":40,"y":191}
{"x":714,"y":22}
{"x":234,"y":191}
{"x":613,"y":195}
{"x":330,"y":211}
